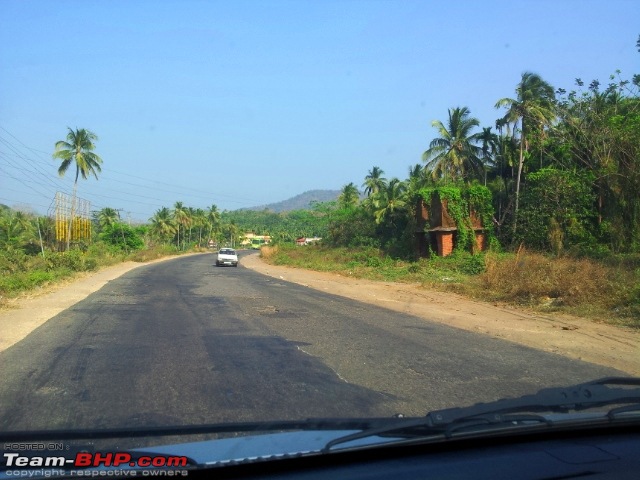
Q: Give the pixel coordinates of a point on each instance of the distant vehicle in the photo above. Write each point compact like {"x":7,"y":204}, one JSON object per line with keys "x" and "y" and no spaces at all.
{"x":227,"y":256}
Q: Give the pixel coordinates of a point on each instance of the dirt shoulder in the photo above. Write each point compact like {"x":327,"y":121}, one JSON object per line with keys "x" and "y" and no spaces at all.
{"x":28,"y":312}
{"x":572,"y":337}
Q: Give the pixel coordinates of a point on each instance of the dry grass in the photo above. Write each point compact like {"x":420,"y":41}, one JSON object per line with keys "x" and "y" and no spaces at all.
{"x":537,"y":279}
{"x":267,"y":251}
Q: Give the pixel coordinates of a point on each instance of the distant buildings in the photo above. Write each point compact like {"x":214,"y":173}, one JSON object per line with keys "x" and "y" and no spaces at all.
{"x":250,"y":239}
{"x":307,"y":240}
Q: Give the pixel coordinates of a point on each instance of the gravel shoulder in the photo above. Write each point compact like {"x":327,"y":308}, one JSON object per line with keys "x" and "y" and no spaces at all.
{"x":565,"y":335}
{"x":572,"y":337}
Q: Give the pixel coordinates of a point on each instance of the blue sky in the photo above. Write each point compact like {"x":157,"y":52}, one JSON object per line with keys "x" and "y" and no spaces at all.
{"x":243,"y":103}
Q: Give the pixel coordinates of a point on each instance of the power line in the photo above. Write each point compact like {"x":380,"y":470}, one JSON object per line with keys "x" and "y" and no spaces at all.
{"x":24,"y":203}
{"x":34,"y":158}
{"x":202,"y":193}
{"x":39,"y":171}
{"x":25,"y":183}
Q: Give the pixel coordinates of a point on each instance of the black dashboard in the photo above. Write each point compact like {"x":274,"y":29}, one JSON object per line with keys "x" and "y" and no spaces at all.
{"x":603,"y":454}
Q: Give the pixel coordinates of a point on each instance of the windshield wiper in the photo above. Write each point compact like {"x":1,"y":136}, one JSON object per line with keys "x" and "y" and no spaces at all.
{"x":513,"y":411}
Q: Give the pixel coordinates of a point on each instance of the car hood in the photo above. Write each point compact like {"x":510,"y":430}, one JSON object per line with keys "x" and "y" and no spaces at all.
{"x":269,"y":446}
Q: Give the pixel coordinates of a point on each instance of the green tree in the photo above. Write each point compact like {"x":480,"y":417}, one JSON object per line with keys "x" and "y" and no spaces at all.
{"x":418,"y":178}
{"x":350,"y":227}
{"x":599,"y":132}
{"x":122,"y":236}
{"x":107,"y":217}
{"x":374,"y":181}
{"x":77,"y":149}
{"x":390,"y":201}
{"x":349,"y":196}
{"x":454,"y":155}
{"x":181,"y":218}
{"x":557,"y":210}
{"x":16,"y":229}
{"x":488,"y":146}
{"x":213,"y":220}
{"x":233,"y":231}
{"x":162,"y":225}
{"x":200,"y":221}
{"x":533,"y":108}
{"x":191,"y":220}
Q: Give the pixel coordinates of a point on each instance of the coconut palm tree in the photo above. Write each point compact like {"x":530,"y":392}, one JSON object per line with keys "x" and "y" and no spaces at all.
{"x":454,"y":155}
{"x":191,"y":220}
{"x":390,"y":200}
{"x":232,"y":230}
{"x":533,"y":108}
{"x":16,"y":228}
{"x":349,"y":196}
{"x":181,"y":218}
{"x":213,"y":219}
{"x":78,"y":149}
{"x":374,"y":181}
{"x":200,"y":221}
{"x":108,"y":217}
{"x":162,"y":225}
{"x":488,"y":146}
{"x":418,"y":178}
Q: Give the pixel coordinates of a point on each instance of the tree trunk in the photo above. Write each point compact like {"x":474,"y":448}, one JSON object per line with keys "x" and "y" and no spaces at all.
{"x":40,"y":235}
{"x":73,"y":212}
{"x":520,"y":164}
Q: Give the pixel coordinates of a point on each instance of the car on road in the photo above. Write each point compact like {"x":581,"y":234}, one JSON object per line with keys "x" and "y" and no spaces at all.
{"x":227,"y":256}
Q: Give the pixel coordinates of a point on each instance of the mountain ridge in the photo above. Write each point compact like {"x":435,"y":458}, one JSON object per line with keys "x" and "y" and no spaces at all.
{"x":301,"y":201}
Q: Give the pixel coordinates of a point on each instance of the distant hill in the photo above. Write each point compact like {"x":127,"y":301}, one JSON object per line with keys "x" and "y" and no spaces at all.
{"x":300,"y":202}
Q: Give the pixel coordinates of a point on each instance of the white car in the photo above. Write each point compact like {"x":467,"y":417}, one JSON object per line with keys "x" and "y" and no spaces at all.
{"x":227,"y":256}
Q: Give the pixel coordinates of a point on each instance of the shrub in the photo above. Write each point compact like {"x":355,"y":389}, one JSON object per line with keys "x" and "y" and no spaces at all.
{"x":529,"y":277}
{"x":473,"y":265}
{"x":122,"y":236}
{"x":13,"y":261}
{"x":267,"y":252}
{"x":414,"y":268}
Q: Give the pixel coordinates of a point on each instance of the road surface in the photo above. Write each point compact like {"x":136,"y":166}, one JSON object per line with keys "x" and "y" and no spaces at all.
{"x":186,"y":342}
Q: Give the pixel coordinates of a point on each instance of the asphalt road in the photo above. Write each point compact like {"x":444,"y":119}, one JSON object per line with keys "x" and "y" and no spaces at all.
{"x":185,"y":342}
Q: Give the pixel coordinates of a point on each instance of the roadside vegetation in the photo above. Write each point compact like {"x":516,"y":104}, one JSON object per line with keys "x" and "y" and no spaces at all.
{"x":555,"y":183}
{"x":31,"y":257}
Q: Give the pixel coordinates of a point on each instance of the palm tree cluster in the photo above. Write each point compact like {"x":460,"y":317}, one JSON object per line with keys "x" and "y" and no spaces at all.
{"x":185,"y":226}
{"x":561,"y":149}
{"x":24,"y":231}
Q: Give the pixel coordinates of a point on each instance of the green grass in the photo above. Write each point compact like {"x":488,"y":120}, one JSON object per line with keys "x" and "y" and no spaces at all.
{"x":606,"y":291}
{"x":20,"y":273}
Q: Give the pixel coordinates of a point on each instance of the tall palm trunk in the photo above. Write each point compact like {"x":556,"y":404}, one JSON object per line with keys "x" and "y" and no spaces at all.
{"x":73,"y":212}
{"x":520,"y":164}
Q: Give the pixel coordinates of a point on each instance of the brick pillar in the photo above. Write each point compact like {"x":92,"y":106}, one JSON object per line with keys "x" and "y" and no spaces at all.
{"x":481,"y":242}
{"x":445,"y":243}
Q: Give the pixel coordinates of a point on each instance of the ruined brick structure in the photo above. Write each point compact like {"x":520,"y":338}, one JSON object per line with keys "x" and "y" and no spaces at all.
{"x":438,"y":230}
